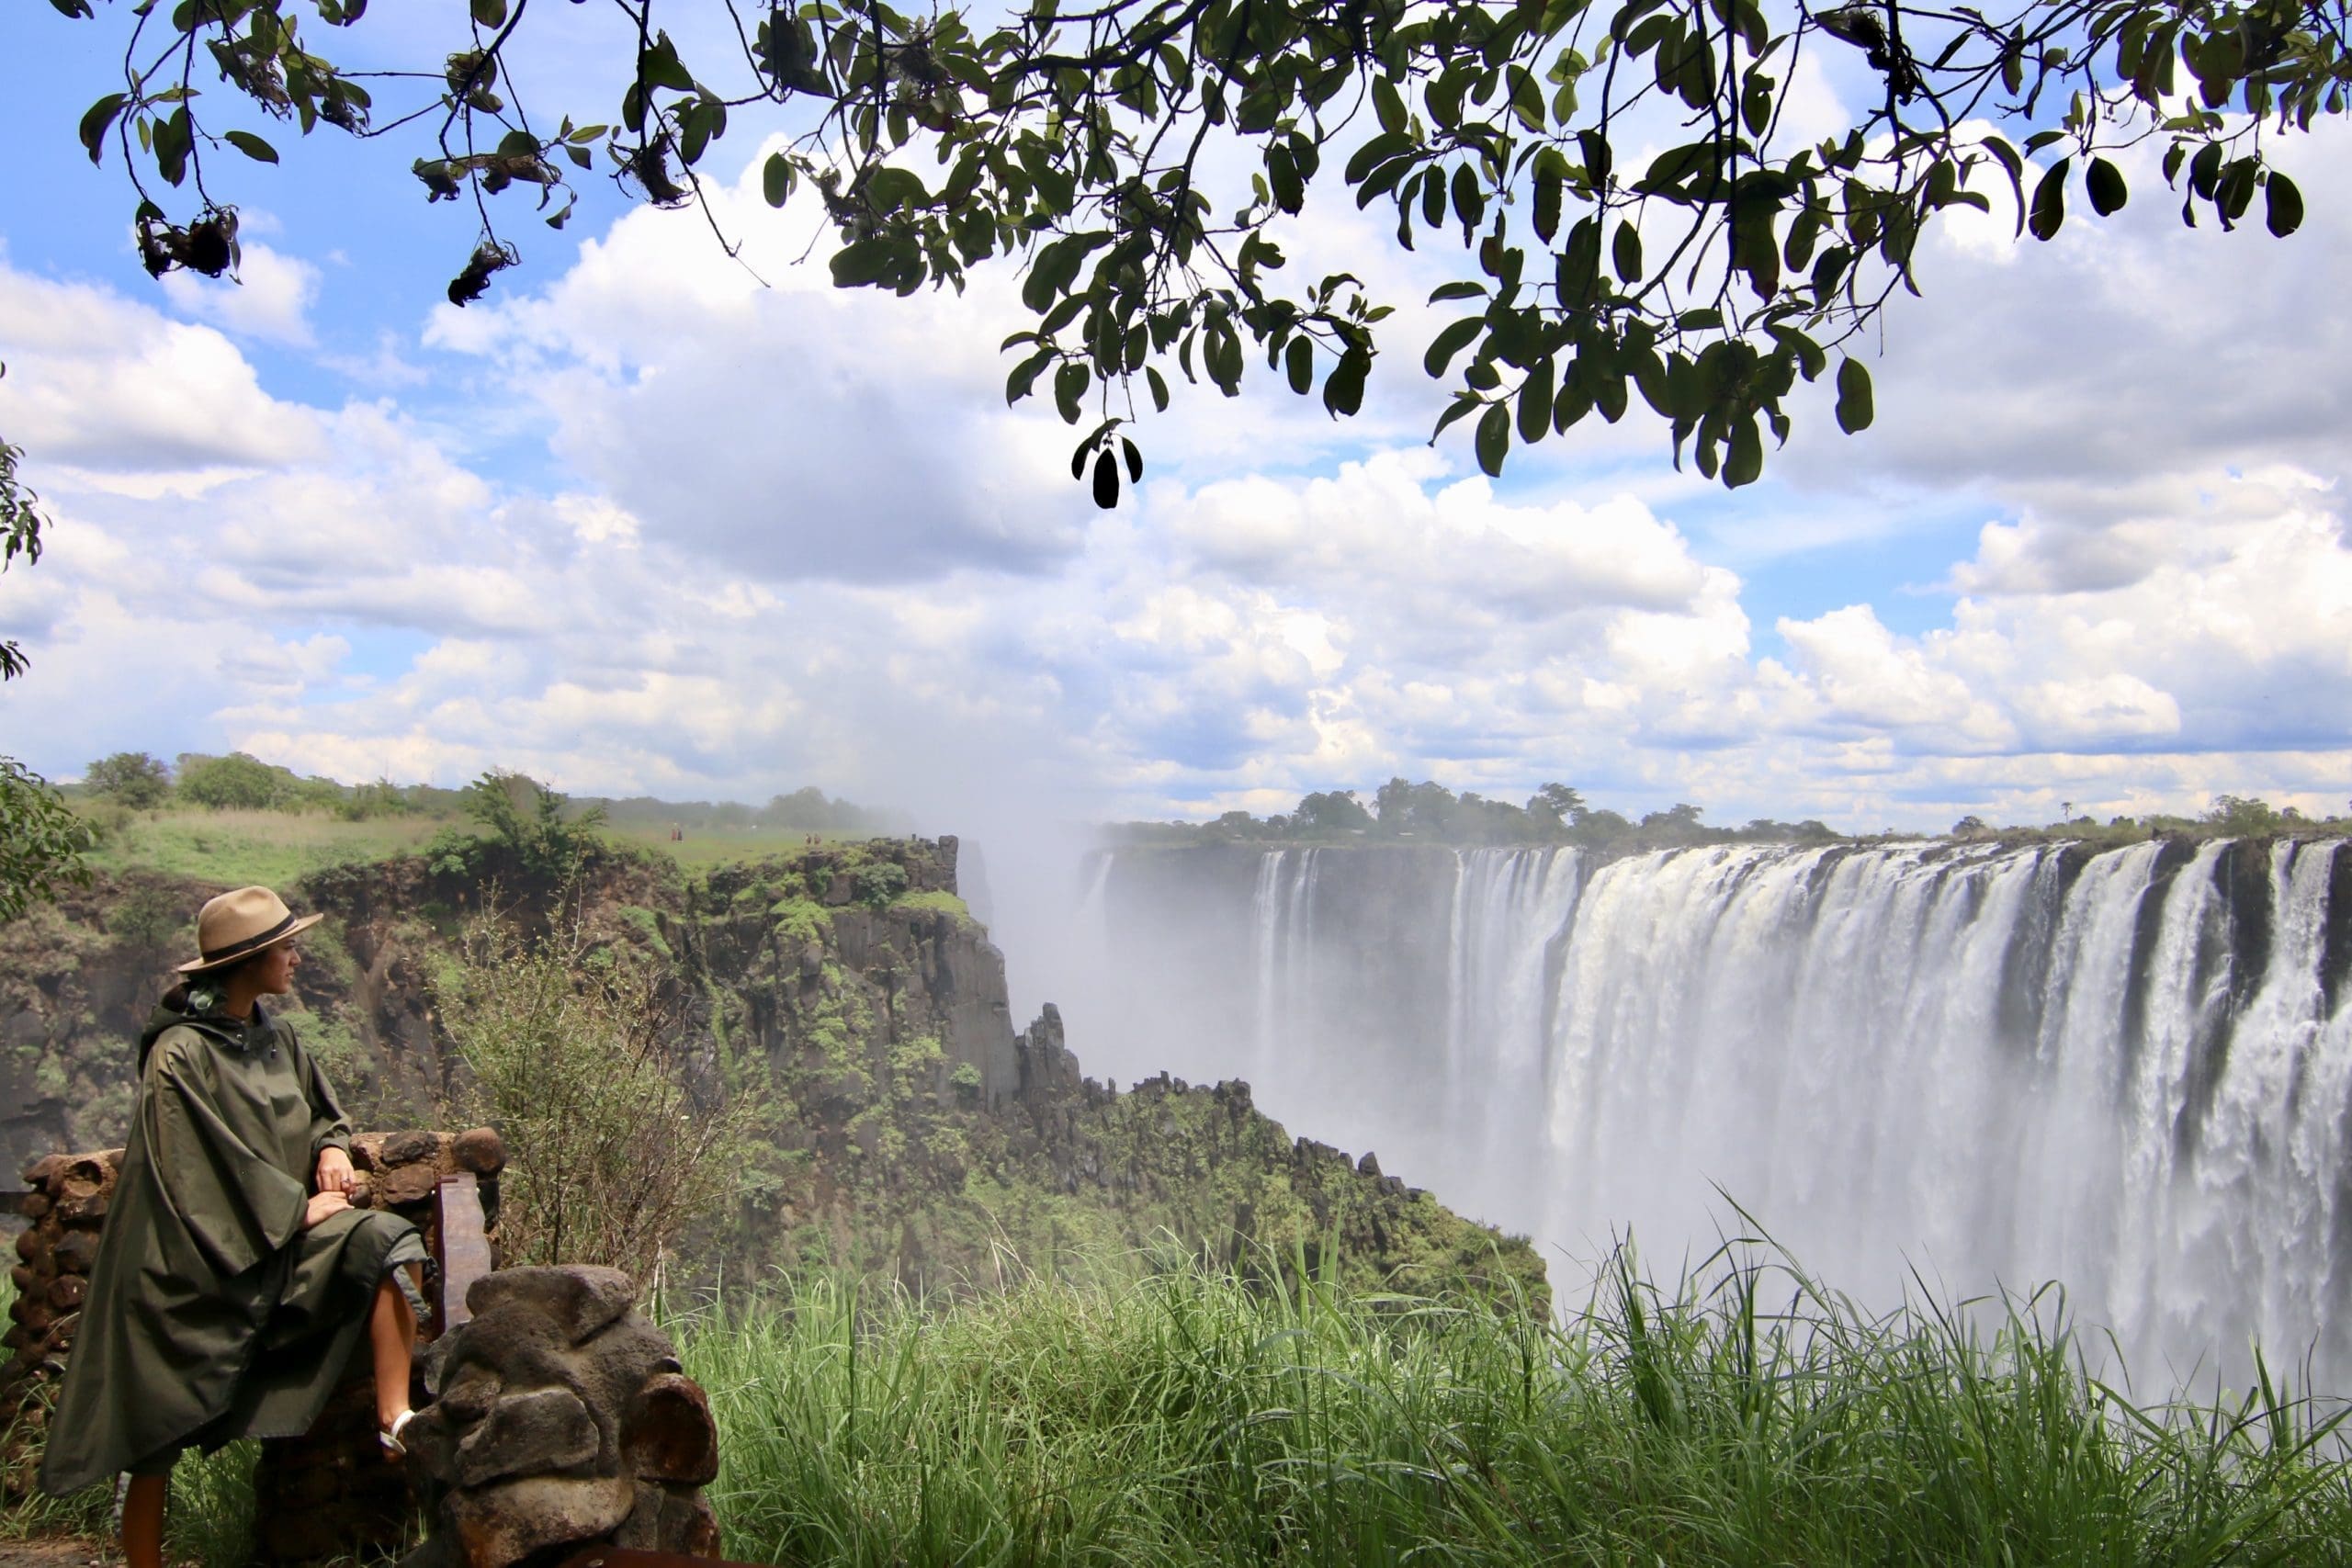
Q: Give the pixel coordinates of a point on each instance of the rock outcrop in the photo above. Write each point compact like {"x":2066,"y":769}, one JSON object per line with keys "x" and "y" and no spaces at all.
{"x":563,"y":1420}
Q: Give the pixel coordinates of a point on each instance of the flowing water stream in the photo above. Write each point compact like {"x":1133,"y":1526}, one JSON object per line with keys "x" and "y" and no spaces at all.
{"x":2128,"y":1071}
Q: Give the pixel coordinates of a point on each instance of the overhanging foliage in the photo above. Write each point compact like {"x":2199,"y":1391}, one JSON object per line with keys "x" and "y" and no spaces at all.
{"x":1080,"y":142}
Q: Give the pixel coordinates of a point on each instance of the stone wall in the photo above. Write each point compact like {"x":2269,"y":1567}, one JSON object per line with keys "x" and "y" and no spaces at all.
{"x":318,"y":1495}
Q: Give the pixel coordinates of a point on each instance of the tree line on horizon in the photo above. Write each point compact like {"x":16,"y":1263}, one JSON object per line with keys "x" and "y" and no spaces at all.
{"x":1556,"y":814}
{"x":139,"y":780}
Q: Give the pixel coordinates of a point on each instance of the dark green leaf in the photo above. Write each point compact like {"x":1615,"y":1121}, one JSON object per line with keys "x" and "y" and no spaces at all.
{"x":1449,"y":341}
{"x":860,"y":263}
{"x":1070,"y":381}
{"x":1343,"y":388}
{"x":1106,"y":481}
{"x":1625,"y":253}
{"x":1745,"y":461}
{"x":1494,"y":438}
{"x":252,"y":146}
{"x":776,"y":179}
{"x":1299,"y":362}
{"x":1535,"y":402}
{"x":1133,"y":455}
{"x":2103,"y":182}
{"x":1608,"y":395}
{"x":892,"y":187}
{"x":1158,"y":385}
{"x":2049,"y":209}
{"x":1469,"y":201}
{"x":1854,"y":409}
{"x":1549,"y":187}
{"x":2282,"y":205}
{"x":99,"y":120}
{"x":490,"y":13}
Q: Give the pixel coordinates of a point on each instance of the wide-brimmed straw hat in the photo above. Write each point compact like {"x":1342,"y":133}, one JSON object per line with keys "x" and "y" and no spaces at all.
{"x":238,"y":925}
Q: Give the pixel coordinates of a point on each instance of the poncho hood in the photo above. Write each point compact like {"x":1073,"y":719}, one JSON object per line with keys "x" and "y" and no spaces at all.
{"x":199,"y":1009}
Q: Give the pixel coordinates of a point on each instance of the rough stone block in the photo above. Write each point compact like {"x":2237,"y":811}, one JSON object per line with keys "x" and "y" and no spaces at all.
{"x":84,"y":1175}
{"x":85,"y":1208}
{"x":33,"y":1205}
{"x":669,"y":1519}
{"x":33,"y":1247}
{"x":668,"y":1434}
{"x":480,"y":1150}
{"x":529,"y":1434}
{"x":404,"y":1184}
{"x":66,"y":1292}
{"x":579,"y":1298}
{"x":408,"y":1148}
{"x":505,"y":1524}
{"x":75,"y":1251}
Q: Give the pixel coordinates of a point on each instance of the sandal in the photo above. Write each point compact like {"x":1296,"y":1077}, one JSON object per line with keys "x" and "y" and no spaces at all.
{"x":390,"y":1436}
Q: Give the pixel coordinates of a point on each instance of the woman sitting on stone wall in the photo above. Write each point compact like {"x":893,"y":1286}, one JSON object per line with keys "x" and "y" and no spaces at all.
{"x":234,"y":1279}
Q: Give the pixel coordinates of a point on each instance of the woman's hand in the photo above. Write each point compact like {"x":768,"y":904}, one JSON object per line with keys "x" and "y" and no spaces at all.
{"x":324,"y":1206}
{"x":334,"y":1171}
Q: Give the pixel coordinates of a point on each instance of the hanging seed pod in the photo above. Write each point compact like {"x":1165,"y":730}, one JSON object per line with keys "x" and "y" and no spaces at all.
{"x":211,"y":247}
{"x":157,"y":251}
{"x":490,"y":257}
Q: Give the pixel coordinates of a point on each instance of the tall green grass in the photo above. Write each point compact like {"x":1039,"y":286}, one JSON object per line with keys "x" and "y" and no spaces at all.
{"x":1743,"y":1418}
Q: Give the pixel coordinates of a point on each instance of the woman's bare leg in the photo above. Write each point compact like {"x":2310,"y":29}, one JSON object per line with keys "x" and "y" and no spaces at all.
{"x":392,"y":1334}
{"x":143,"y":1521}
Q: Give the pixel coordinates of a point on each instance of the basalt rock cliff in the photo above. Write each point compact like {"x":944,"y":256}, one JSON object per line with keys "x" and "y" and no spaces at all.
{"x":912,"y":1130}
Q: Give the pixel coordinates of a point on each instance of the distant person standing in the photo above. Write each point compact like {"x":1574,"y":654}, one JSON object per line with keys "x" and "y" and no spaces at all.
{"x":234,"y":1279}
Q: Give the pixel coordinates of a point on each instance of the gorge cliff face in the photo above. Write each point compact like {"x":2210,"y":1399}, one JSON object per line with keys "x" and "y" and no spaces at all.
{"x":909,"y":1128}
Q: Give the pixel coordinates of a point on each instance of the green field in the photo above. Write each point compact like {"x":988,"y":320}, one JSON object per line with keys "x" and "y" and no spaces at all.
{"x":278,"y":848}
{"x":714,"y":846}
{"x":275,"y":848}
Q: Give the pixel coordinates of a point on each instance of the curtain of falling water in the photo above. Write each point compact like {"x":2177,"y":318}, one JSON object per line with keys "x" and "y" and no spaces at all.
{"x":2128,"y":1071}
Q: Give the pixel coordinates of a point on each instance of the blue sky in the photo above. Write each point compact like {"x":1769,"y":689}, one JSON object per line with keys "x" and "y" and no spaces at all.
{"x":636,"y":522}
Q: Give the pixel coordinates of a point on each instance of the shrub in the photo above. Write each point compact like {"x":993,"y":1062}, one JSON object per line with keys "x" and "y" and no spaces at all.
{"x":879,"y":883}
{"x":528,"y":820}
{"x":615,"y":1153}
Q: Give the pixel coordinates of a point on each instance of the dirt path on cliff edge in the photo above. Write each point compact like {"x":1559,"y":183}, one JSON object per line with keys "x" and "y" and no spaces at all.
{"x":56,"y":1551}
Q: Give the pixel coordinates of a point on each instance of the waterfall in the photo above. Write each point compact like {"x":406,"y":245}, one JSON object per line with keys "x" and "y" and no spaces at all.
{"x":1265,"y":922}
{"x":2127,"y":1071}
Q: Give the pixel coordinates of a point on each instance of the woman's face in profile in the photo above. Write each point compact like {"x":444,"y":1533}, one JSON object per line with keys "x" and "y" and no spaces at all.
{"x":277,"y":969}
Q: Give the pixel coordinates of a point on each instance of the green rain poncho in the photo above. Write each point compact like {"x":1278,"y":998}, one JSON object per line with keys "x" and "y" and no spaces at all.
{"x":212,"y":1315}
